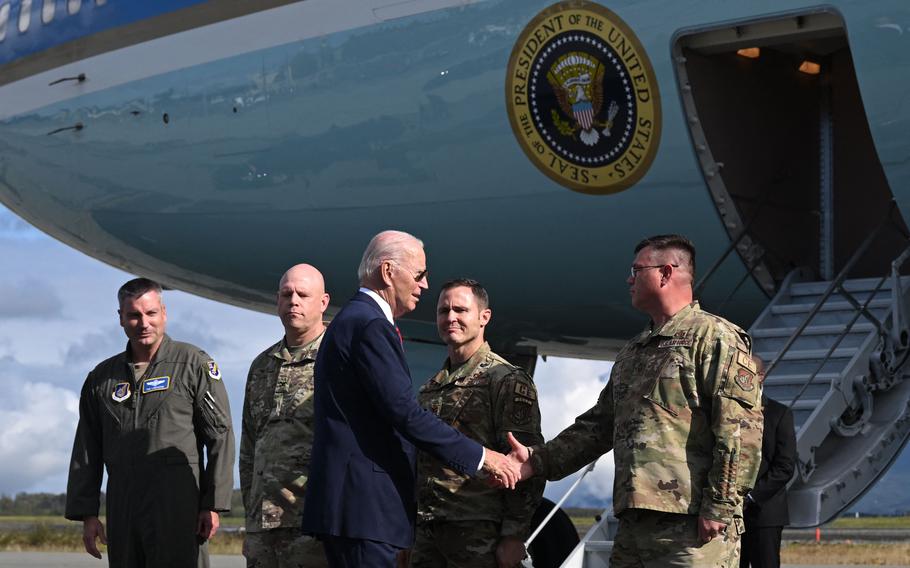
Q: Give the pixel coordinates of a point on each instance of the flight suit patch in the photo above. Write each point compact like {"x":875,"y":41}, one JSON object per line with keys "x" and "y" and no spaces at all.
{"x":745,"y":380}
{"x":156,"y":384}
{"x":213,"y":370}
{"x":121,"y":392}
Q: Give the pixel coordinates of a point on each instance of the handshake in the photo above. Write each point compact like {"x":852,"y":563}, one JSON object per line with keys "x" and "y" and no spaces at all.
{"x":506,"y":471}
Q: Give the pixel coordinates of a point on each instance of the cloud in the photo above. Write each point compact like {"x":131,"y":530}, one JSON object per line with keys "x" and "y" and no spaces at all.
{"x":29,"y":298}
{"x":12,"y":227}
{"x":567,"y":388}
{"x":94,"y":347}
{"x":37,"y":422}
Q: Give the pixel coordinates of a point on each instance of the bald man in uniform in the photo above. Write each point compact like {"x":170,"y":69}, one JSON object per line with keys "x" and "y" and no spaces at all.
{"x":277,"y":431}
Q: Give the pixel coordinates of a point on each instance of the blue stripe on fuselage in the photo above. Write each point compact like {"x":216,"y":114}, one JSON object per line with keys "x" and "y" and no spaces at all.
{"x":90,"y":20}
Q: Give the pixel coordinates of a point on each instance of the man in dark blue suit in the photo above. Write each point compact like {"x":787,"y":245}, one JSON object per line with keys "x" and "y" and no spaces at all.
{"x":368,"y":425}
{"x":766,"y":505}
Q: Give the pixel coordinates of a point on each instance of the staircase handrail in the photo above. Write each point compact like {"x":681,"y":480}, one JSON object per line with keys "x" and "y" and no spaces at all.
{"x":836,"y":283}
{"x":559,"y":503}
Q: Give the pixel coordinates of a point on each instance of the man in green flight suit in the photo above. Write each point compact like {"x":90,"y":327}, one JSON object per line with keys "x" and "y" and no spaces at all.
{"x":277,"y":432}
{"x":147,"y":414}
{"x":461,"y":520}
{"x":682,"y":415}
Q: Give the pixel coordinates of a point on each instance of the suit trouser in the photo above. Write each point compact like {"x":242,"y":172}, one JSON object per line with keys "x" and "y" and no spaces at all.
{"x":283,"y":548}
{"x":343,"y":552}
{"x":761,"y":547}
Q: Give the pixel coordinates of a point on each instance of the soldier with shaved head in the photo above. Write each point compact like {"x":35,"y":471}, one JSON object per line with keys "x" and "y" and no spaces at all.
{"x":277,"y":431}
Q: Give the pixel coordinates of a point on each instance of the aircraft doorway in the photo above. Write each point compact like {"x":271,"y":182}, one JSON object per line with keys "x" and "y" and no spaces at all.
{"x":780,"y":131}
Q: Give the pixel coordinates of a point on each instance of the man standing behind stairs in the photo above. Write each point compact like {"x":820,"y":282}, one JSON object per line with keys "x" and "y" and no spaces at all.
{"x":682,"y":413}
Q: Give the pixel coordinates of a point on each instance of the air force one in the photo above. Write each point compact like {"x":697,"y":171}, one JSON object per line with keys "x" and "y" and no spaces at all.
{"x":530,"y":144}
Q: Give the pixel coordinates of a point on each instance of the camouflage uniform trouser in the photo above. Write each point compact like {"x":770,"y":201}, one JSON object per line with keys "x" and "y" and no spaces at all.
{"x":652,"y":539}
{"x":455,"y":544}
{"x":282,"y":548}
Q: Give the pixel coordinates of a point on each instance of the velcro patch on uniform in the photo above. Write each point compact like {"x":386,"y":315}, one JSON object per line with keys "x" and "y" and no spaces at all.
{"x":521,"y":413}
{"x":745,"y":360}
{"x":214,"y":371}
{"x":121,"y":392}
{"x":675,"y":342}
{"x":526,"y":391}
{"x":156,"y":384}
{"x":745,"y":379}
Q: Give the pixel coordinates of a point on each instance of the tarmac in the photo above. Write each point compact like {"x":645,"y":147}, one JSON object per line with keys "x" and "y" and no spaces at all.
{"x":76,"y":560}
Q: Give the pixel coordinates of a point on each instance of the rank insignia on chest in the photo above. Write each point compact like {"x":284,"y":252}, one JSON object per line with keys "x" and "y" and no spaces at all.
{"x":156,"y":384}
{"x":745,"y":379}
{"x":214,"y":371}
{"x":121,"y":392}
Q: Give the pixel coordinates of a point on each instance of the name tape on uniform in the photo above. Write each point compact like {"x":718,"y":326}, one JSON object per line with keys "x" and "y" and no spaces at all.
{"x":156,"y":384}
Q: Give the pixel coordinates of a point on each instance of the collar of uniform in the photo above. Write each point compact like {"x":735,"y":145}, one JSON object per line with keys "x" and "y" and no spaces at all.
{"x":383,"y":305}
{"x":307,"y":352}
{"x":671,"y":326}
{"x":162,"y":350}
{"x":446,"y":375}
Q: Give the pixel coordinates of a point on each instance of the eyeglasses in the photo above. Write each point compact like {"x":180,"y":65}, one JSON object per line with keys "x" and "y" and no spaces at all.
{"x":417,"y":277}
{"x":634,"y":270}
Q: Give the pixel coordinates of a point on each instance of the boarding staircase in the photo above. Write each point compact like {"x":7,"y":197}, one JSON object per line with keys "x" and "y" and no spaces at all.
{"x":836,"y":353}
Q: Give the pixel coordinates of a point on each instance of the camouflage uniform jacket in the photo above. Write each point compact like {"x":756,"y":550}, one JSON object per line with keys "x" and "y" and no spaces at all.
{"x":682,"y":413}
{"x":277,"y":435}
{"x":484,"y":398}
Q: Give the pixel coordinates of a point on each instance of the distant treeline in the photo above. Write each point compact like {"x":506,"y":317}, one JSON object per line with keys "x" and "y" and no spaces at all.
{"x":55,"y":504}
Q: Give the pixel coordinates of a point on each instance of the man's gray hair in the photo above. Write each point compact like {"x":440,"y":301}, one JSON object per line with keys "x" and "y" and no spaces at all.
{"x":387,"y":245}
{"x":137,"y":287}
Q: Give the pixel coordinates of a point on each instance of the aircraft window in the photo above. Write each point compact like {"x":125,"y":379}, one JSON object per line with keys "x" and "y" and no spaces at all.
{"x":72,"y":6}
{"x":47,"y":10}
{"x":25,"y":15}
{"x":4,"y":18}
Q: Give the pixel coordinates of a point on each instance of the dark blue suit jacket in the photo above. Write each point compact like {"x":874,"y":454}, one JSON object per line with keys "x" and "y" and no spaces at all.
{"x":367,"y":424}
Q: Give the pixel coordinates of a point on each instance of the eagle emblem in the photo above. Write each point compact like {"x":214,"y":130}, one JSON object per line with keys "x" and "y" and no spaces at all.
{"x":577,"y":80}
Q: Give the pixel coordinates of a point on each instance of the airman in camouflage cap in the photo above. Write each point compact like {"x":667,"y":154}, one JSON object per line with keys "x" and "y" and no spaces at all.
{"x":278,"y":429}
{"x":462,"y":521}
{"x":682,"y":414}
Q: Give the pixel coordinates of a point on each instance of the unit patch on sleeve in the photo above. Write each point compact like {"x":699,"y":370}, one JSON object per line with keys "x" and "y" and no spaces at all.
{"x":524,"y":390}
{"x":156,"y":384}
{"x":746,"y":361}
{"x":214,"y":371}
{"x":121,"y":392}
{"x":745,"y":379}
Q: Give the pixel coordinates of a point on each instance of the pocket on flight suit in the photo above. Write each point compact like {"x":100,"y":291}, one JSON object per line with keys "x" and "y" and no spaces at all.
{"x":214,"y":422}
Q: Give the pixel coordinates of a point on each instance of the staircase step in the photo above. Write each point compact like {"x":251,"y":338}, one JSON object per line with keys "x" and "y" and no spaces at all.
{"x":827,"y":307}
{"x":598,"y":545}
{"x":776,"y":332}
{"x":774,"y":380}
{"x":855,"y":285}
{"x":801,"y":404}
{"x":803,"y":354}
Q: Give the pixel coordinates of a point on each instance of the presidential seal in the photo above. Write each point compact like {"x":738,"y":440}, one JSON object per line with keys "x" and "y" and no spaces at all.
{"x":582,"y":98}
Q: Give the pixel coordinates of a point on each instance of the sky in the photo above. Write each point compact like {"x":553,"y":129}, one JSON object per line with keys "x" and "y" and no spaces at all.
{"x":58,"y":319}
